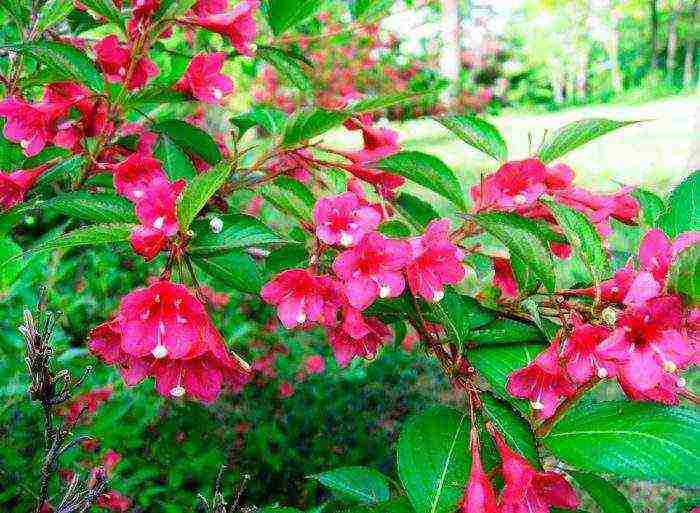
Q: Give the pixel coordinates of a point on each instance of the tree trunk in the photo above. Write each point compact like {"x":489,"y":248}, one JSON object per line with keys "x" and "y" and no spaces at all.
{"x":690,"y":48}
{"x":672,"y":43}
{"x":582,"y":74}
{"x":556,"y":79}
{"x":615,"y":71}
{"x":450,"y":54}
{"x":654,"y":34}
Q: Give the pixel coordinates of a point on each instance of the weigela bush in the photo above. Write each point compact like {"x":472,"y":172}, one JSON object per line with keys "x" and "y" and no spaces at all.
{"x":128,"y":136}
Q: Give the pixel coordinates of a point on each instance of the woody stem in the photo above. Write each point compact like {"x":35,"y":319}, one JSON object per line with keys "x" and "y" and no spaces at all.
{"x":544,"y":429}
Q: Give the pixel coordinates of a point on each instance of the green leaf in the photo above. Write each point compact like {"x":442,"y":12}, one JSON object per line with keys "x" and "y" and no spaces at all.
{"x":524,"y":239}
{"x":309,"y":123}
{"x":650,"y":204}
{"x":88,"y":236}
{"x":176,"y":163}
{"x":288,"y":256}
{"x":289,"y":196}
{"x":155,"y":94}
{"x":578,"y":133}
{"x":606,"y":496}
{"x":374,"y":103}
{"x":683,"y":213}
{"x":10,"y":262}
{"x":271,"y":119}
{"x":106,"y":9}
{"x":67,"y":168}
{"x":478,"y":133}
{"x":394,"y":228}
{"x":236,"y":269}
{"x":361,"y":484}
{"x":433,"y":459}
{"x":190,"y":138}
{"x":684,"y":275}
{"x":584,"y":240}
{"x":369,"y":9}
{"x":170,"y":9}
{"x":52,"y":12}
{"x":418,"y":212}
{"x":285,"y":14}
{"x":97,"y":207}
{"x":495,"y":363}
{"x":631,"y":440}
{"x":428,"y":171}
{"x":287,"y":66}
{"x":66,"y":60}
{"x":528,"y":281}
{"x":239,"y":231}
{"x":198,"y":192}
{"x":9,"y":218}
{"x":514,"y":428}
{"x":459,"y":314}
{"x":506,"y":331}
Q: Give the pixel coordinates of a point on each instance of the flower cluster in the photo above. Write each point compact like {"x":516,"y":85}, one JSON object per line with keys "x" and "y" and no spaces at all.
{"x":651,"y":339}
{"x":163,"y":331}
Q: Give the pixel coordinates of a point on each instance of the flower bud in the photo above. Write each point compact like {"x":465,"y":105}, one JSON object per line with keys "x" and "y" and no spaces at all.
{"x":216,"y":224}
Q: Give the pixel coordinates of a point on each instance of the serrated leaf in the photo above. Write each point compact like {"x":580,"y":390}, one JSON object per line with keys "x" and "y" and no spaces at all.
{"x":506,"y":331}
{"x":477,"y":133}
{"x":606,"y":496}
{"x":97,"y":207}
{"x":368,"y":9}
{"x":155,"y":94}
{"x":418,"y":212}
{"x":394,"y":228}
{"x":650,"y":204}
{"x":176,"y":163}
{"x":524,"y":239}
{"x":584,"y":240}
{"x":684,"y":275}
{"x":460,"y":314}
{"x":374,"y":103}
{"x":578,"y":133}
{"x":69,"y":168}
{"x":10,"y":262}
{"x":198,"y":192}
{"x":9,"y":218}
{"x":64,"y":59}
{"x":289,"y":256}
{"x":631,"y":440}
{"x":52,"y":12}
{"x":269,"y":118}
{"x":190,"y":138}
{"x":361,"y":484}
{"x":512,"y":426}
{"x":433,"y":459}
{"x":427,"y":171}
{"x":239,"y":231}
{"x":285,"y":14}
{"x":236,"y":269}
{"x":289,"y":196}
{"x":309,"y":123}
{"x":107,"y":9}
{"x":287,"y":66}
{"x":683,"y":212}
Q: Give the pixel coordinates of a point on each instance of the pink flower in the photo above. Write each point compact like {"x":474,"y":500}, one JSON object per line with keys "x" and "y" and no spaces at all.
{"x":315,"y":364}
{"x":666,"y":391}
{"x":503,"y":277}
{"x":206,"y":7}
{"x":385,"y":183}
{"x":515,"y":187}
{"x":378,"y":142}
{"x":344,"y":220}
{"x":203,"y":79}
{"x":157,"y":208}
{"x":615,"y":289}
{"x":110,"y":460}
{"x":543,"y":382}
{"x":529,"y":491}
{"x":237,"y":25}
{"x":134,"y":175}
{"x":301,"y":297}
{"x":580,"y":352}
{"x":346,"y":347}
{"x":25,"y":124}
{"x":88,"y":402}
{"x":372,"y":269}
{"x":114,"y":501}
{"x":286,"y":389}
{"x":479,"y":495}
{"x":295,"y":163}
{"x":436,"y":262}
{"x":148,"y":242}
{"x":14,"y":186}
{"x":655,"y":254}
{"x":115,"y":60}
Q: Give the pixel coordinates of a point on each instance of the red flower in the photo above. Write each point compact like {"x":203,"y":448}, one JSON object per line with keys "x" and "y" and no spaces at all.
{"x":148,"y":242}
{"x":206,"y":7}
{"x":315,"y":364}
{"x":385,"y":183}
{"x":344,"y":219}
{"x":529,"y":491}
{"x":115,"y":60}
{"x":372,"y":269}
{"x":346,"y":347}
{"x":157,"y":208}
{"x":286,"y":389}
{"x":479,"y":495}
{"x":88,"y":402}
{"x":237,"y":25}
{"x":302,"y":297}
{"x":26,"y":124}
{"x":14,"y":186}
{"x":378,"y":142}
{"x":503,"y":277}
{"x":436,"y":261}
{"x":599,"y":208}
{"x":133,"y":176}
{"x":203,"y":79}
{"x":543,"y":382}
{"x":114,"y":501}
{"x":515,"y":187}
{"x":110,"y":460}
{"x":581,"y":355}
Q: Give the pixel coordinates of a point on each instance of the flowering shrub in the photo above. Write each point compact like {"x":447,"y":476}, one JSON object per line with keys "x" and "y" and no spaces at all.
{"x":125,"y":137}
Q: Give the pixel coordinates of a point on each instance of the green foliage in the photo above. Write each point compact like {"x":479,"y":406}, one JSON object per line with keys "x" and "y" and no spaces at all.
{"x":287,"y":65}
{"x":190,"y":138}
{"x":235,"y":269}
{"x":198,"y":192}
{"x":52,"y":12}
{"x":176,"y":163}
{"x":96,"y":207}
{"x":683,"y":212}
{"x":606,"y":496}
{"x":360,"y":484}
{"x":684,"y":275}
{"x":239,"y":231}
{"x":477,"y":133}
{"x":285,"y":14}
{"x":418,"y":212}
{"x":290,"y":197}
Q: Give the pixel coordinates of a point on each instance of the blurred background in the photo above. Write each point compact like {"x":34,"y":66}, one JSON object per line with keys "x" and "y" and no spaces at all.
{"x":529,"y":66}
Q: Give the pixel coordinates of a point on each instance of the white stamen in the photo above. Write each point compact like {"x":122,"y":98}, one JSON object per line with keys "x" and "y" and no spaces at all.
{"x":177,"y":391}
{"x":121,"y":71}
{"x":438,"y":295}
{"x":216,"y":224}
{"x":157,"y":298}
{"x":159,"y":222}
{"x":520,"y":199}
{"x":346,"y":240}
{"x":160,"y":351}
{"x":218,"y":94}
{"x":138,"y":194}
{"x":536,"y":405}
{"x":24,"y":143}
{"x":301,"y":318}
{"x":602,"y":372}
{"x":384,"y":291}
{"x":682,"y":382}
{"x":615,"y":290}
{"x":609,"y":315}
{"x":669,"y":366}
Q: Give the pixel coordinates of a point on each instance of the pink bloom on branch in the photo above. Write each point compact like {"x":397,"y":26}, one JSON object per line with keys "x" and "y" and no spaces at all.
{"x":114,"y":59}
{"x":148,"y":242}
{"x":14,"y":186}
{"x":207,"y":7}
{"x":110,"y":460}
{"x":503,"y":277}
{"x":543,"y":382}
{"x":580,"y":352}
{"x":114,"y":501}
{"x":346,"y":347}
{"x":372,"y":269}
{"x":385,"y":183}
{"x":157,"y":208}
{"x":344,"y":220}
{"x":515,"y":187}
{"x":238,"y":25}
{"x":315,"y":364}
{"x":203,"y":79}
{"x":529,"y":491}
{"x":378,"y":142}
{"x":134,"y":175}
{"x":436,"y":262}
{"x":302,"y":297}
{"x":25,"y":124}
{"x":286,"y":389}
{"x":479,"y":495}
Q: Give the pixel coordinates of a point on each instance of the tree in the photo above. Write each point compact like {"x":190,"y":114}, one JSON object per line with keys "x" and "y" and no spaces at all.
{"x":672,"y":42}
{"x":690,"y":47}
{"x":450,"y":52}
{"x":654,"y":18}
